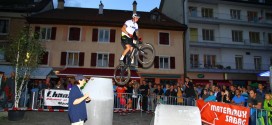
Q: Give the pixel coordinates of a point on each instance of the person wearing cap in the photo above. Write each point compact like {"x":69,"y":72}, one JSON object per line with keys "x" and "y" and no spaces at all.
{"x":77,"y":102}
{"x":129,"y":32}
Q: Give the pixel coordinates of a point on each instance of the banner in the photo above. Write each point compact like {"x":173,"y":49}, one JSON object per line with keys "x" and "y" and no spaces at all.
{"x":54,"y":97}
{"x":217,"y":113}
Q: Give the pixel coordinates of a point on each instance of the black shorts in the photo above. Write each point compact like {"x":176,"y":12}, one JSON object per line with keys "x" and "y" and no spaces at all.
{"x":126,"y":40}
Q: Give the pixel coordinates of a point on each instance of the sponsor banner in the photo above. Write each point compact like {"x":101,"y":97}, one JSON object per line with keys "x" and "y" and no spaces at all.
{"x":217,"y":113}
{"x":53,"y":97}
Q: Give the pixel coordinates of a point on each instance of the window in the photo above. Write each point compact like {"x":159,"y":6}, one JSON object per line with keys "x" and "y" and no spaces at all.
{"x":194,"y":61}
{"x":164,"y":63}
{"x":252,"y":16}
{"x":209,"y":61}
{"x":239,"y":61}
{"x":73,"y":58}
{"x":270,"y":61}
{"x":45,"y":33}
{"x":270,"y":38}
{"x":254,"y":37}
{"x":74,"y":34}
{"x":193,"y":35}
{"x":164,"y":38}
{"x":237,"y":36}
{"x":4,"y":26}
{"x":235,"y":14}
{"x":104,"y":35}
{"x":102,"y":60}
{"x":2,"y":55}
{"x":193,"y":11}
{"x":268,"y":16}
{"x":208,"y":34}
{"x":207,"y":12}
{"x":257,"y":62}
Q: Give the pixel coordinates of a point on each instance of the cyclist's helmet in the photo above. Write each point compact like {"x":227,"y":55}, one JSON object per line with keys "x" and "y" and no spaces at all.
{"x":135,"y":15}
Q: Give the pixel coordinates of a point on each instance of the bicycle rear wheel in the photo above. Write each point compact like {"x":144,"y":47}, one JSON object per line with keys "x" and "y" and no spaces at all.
{"x":146,"y":54}
{"x":122,"y":74}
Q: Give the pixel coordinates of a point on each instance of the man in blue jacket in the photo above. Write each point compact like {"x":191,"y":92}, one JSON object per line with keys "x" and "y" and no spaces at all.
{"x":77,"y":102}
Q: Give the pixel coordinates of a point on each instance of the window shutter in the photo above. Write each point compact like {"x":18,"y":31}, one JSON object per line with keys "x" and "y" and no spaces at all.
{"x":44,"y":59}
{"x":112,"y":35}
{"x":95,"y":35}
{"x":156,"y":62}
{"x":93,"y":59}
{"x":172,"y":63}
{"x":63,"y":58}
{"x":81,"y":59}
{"x":139,"y":64}
{"x":53,"y":33}
{"x":111,"y":60}
{"x":37,"y":32}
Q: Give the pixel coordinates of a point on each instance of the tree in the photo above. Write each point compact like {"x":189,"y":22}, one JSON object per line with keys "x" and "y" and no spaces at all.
{"x":24,"y":54}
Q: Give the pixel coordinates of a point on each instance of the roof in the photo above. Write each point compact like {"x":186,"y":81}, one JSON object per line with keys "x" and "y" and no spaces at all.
{"x":22,"y":6}
{"x":97,"y":72}
{"x":115,"y":18}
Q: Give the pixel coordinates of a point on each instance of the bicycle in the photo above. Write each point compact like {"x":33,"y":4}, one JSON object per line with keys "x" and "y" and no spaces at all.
{"x":145,"y":54}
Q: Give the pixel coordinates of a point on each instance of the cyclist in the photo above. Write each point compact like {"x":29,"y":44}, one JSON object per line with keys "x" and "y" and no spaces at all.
{"x":129,"y":32}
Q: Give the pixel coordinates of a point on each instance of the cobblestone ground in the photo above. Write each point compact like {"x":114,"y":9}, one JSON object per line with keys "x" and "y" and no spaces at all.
{"x":61,"y":118}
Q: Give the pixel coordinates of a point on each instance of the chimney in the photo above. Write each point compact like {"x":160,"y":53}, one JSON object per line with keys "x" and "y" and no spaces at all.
{"x":60,"y":4}
{"x":101,"y":6}
{"x":134,"y":6}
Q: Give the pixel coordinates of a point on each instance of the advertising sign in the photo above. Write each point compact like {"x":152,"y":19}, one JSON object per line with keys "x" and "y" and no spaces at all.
{"x":53,"y":97}
{"x":217,"y":113}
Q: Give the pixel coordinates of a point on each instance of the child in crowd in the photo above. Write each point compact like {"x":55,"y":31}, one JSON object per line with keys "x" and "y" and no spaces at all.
{"x":123,"y":103}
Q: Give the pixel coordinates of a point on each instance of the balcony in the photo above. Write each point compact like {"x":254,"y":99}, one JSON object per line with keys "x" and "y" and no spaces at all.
{"x":223,"y":42}
{"x":226,"y":18}
{"x":229,"y":67}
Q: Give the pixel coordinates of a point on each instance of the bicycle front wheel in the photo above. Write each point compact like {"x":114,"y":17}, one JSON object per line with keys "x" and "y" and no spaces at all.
{"x":146,"y":54}
{"x":122,"y":74}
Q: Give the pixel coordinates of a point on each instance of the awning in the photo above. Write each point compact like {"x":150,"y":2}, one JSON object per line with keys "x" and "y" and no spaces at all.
{"x":265,"y":74}
{"x":93,"y":72}
{"x":38,"y":73}
{"x":201,"y":81}
{"x":222,"y":82}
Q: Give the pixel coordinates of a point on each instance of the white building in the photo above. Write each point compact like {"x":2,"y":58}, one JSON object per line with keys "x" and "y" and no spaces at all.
{"x":228,"y":41}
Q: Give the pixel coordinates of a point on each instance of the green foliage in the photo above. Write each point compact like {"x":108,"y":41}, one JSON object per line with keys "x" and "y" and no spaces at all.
{"x":25,"y":50}
{"x":24,"y":54}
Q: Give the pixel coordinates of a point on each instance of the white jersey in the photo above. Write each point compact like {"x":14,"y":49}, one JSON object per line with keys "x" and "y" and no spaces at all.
{"x":131,"y":27}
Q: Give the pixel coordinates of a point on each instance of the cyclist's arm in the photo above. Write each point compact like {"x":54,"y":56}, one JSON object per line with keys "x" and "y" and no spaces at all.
{"x":124,"y":29}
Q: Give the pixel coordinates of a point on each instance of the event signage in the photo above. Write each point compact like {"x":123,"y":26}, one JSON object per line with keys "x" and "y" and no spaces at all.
{"x":217,"y":113}
{"x":54,"y":97}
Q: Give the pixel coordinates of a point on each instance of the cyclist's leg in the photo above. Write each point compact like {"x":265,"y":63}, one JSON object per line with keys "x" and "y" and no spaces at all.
{"x":126,"y":42}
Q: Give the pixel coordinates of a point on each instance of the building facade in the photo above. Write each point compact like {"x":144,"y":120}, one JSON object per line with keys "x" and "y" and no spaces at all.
{"x":87,"y":41}
{"x":227,"y":41}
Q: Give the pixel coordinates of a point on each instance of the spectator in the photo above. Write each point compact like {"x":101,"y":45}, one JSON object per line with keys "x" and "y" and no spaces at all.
{"x":135,"y":96}
{"x":144,"y":90}
{"x":120,"y":91}
{"x":268,"y":107}
{"x":254,"y":101}
{"x":211,"y":97}
{"x":232,"y":92}
{"x":225,"y":96}
{"x":217,"y":94}
{"x":151,"y":96}
{"x":238,"y":99}
{"x":205,"y":94}
{"x":179,"y":96}
{"x":11,"y":87}
{"x":59,"y":85}
{"x":261,"y":90}
{"x":171,"y":95}
{"x":190,"y":92}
